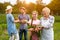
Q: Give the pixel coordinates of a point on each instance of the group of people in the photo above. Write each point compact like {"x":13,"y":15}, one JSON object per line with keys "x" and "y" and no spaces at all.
{"x":40,"y":29}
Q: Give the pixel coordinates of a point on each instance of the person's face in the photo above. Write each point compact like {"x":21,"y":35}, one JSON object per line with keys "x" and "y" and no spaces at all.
{"x":9,"y":11}
{"x":22,"y":10}
{"x":45,"y":13}
{"x":34,"y":15}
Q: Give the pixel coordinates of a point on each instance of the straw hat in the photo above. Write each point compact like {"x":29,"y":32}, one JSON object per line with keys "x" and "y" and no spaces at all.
{"x":8,"y":7}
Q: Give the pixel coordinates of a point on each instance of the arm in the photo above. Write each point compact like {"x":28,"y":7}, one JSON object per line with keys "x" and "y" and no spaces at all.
{"x":16,"y":21}
{"x":11,"y":18}
{"x":29,"y":22}
{"x":50,"y":24}
{"x":22,"y":20}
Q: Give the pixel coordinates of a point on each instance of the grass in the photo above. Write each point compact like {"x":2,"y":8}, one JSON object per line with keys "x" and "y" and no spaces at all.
{"x":57,"y":31}
{"x":3,"y":27}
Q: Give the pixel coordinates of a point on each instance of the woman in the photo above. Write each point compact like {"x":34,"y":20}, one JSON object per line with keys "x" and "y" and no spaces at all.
{"x":47,"y":22}
{"x":34,"y":22}
{"x":12,"y":31}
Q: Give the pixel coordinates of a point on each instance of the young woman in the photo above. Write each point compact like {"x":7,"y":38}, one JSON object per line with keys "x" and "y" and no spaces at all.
{"x":12,"y":31}
{"x":34,"y":22}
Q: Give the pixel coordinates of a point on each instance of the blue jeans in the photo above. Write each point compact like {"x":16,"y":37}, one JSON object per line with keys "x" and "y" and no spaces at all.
{"x":21,"y":32}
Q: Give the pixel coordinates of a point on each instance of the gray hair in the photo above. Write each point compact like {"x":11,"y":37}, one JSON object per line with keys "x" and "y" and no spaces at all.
{"x":46,"y":9}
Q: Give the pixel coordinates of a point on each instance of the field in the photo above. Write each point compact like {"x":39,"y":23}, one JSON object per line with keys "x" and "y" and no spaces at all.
{"x":3,"y":27}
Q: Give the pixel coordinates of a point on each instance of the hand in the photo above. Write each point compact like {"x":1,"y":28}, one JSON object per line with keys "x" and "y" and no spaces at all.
{"x":33,"y":25}
{"x":16,"y":20}
{"x":23,"y":21}
{"x":40,"y":28}
{"x":36,"y":29}
{"x":31,"y":29}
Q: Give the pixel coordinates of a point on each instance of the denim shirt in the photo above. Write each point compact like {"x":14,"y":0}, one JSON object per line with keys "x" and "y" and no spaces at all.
{"x":11,"y":25}
{"x":27,"y":17}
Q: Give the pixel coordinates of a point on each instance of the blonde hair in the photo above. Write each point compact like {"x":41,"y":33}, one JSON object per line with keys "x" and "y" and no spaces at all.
{"x":23,"y":8}
{"x":46,"y":9}
{"x":6,"y":11}
{"x":35,"y":12}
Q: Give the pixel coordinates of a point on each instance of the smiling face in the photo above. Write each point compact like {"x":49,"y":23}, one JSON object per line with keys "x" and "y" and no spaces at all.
{"x":22,"y":10}
{"x":9,"y":11}
{"x":46,"y":12}
{"x":34,"y":14}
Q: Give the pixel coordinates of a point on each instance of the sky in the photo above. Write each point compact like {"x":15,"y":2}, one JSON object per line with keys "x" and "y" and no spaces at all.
{"x":27,"y":1}
{"x":14,"y":1}
{"x":11,"y":1}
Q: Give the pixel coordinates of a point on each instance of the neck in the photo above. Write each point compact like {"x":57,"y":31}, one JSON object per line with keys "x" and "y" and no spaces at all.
{"x":23,"y":13}
{"x":8,"y":12}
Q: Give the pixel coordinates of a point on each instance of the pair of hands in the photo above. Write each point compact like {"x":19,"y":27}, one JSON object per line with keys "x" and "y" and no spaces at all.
{"x":23,"y":21}
{"x":36,"y":29}
{"x":16,"y":21}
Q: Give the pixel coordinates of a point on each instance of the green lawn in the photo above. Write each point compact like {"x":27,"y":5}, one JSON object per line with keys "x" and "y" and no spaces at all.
{"x":3,"y":27}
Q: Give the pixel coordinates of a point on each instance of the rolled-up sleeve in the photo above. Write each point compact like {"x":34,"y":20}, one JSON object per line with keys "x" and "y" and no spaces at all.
{"x":11,"y":18}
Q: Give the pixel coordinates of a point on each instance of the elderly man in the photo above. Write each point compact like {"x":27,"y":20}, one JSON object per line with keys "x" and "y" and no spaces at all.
{"x":47,"y":22}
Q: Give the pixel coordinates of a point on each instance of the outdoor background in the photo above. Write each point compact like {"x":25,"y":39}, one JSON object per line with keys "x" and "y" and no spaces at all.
{"x":55,"y":11}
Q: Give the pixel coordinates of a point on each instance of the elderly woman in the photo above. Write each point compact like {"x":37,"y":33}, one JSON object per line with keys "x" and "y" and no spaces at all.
{"x":47,"y":22}
{"x":34,"y":22}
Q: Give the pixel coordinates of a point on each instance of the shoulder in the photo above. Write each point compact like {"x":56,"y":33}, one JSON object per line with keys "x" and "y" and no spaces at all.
{"x":19,"y":14}
{"x":51,"y":17}
{"x":38,"y":20}
{"x":9,"y":15}
{"x":28,"y":16}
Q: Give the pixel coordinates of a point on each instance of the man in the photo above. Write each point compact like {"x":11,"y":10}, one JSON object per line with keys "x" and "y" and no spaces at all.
{"x":12,"y":31}
{"x":23,"y":17}
{"x":47,"y":22}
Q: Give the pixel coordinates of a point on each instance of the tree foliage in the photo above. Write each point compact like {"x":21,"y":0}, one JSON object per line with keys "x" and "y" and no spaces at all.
{"x":54,"y":6}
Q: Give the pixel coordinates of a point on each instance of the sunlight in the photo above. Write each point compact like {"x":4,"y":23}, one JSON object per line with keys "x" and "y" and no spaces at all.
{"x":29,"y":1}
{"x":46,"y":2}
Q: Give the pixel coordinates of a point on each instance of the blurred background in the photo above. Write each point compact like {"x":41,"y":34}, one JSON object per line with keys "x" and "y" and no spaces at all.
{"x":30,"y":5}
